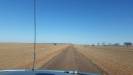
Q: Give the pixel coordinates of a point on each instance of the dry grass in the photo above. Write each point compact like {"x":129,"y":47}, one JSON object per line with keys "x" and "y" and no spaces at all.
{"x":19,"y":56}
{"x":113,"y":60}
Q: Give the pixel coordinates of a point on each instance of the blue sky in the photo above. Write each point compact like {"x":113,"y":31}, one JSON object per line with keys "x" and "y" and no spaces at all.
{"x":67,"y":21}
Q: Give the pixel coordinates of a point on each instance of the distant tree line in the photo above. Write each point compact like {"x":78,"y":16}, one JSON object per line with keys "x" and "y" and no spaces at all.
{"x":127,"y":44}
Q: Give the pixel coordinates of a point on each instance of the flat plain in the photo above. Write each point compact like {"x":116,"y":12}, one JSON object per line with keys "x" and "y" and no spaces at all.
{"x":111,"y":59}
{"x":107,"y":60}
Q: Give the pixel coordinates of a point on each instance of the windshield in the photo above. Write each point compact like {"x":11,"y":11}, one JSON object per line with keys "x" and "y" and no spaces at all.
{"x":93,"y":36}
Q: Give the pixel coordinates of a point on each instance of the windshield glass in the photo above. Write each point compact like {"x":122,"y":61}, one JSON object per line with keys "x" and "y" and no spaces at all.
{"x":84,"y":35}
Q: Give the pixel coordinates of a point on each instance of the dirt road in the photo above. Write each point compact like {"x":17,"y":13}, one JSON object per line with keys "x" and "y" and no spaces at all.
{"x":71,"y":59}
